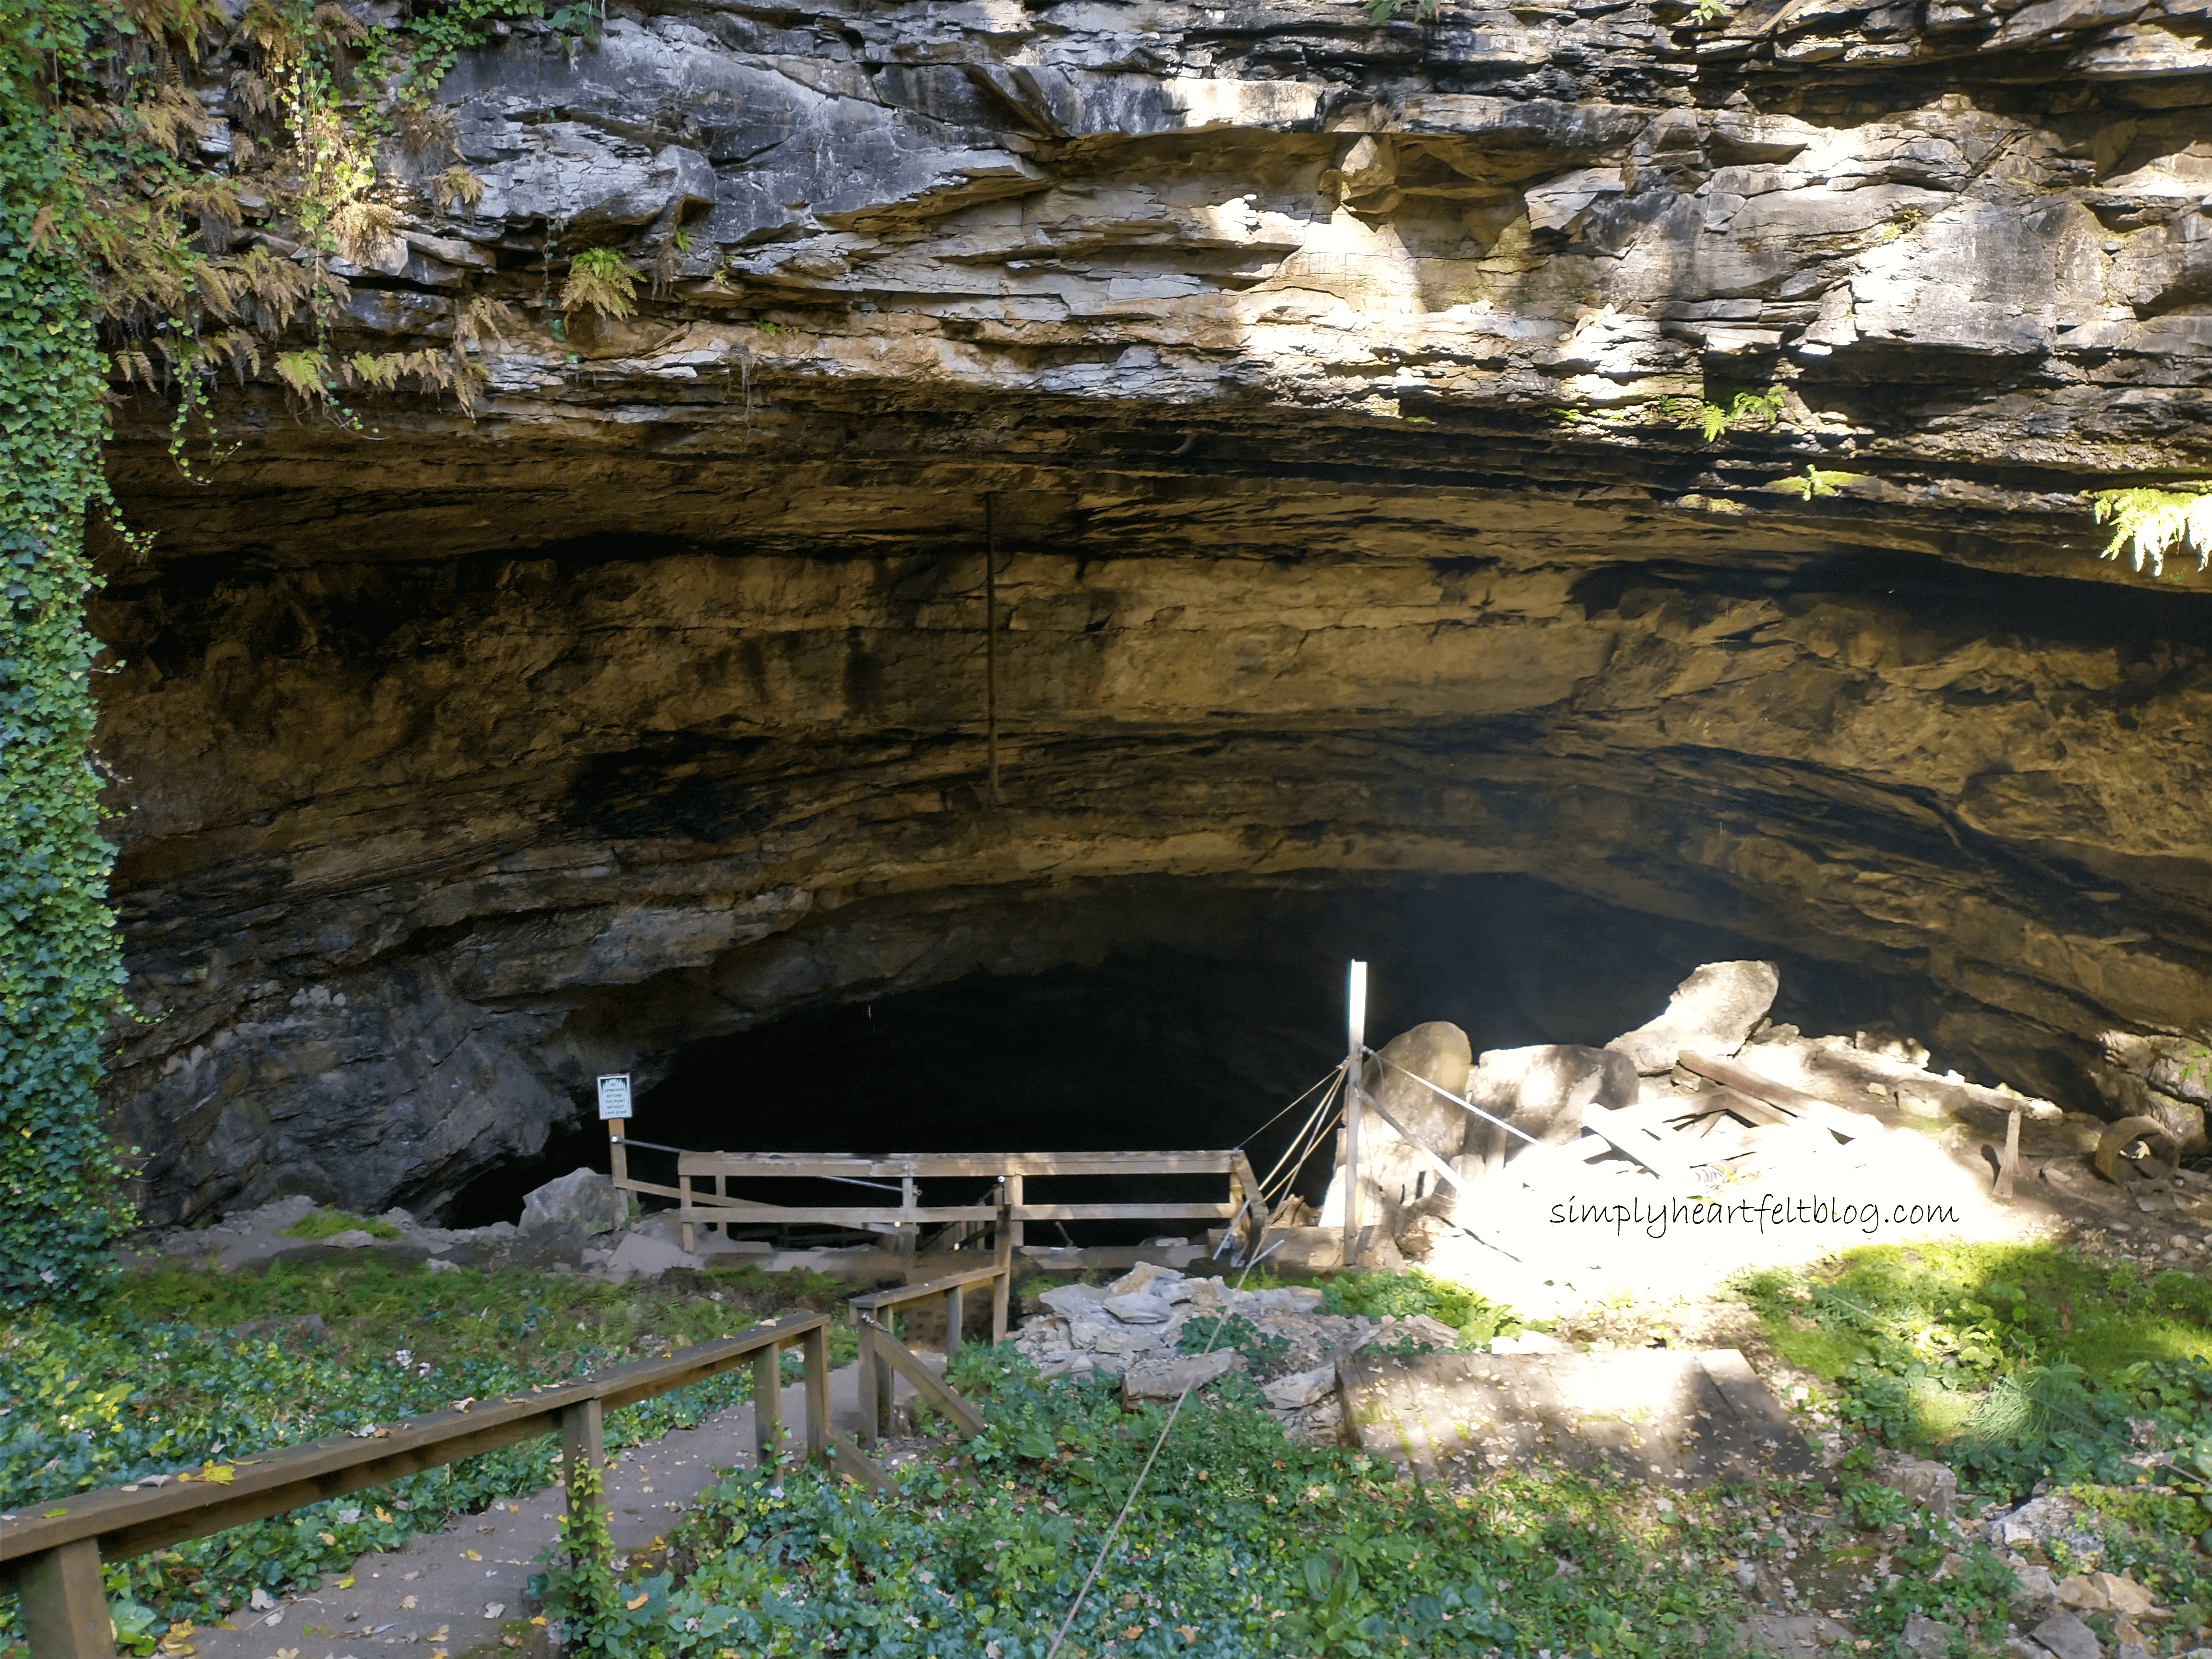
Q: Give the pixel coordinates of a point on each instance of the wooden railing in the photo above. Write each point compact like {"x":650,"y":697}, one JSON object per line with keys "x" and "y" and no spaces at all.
{"x":53,"y":1553}
{"x":1008,"y":1209}
{"x":874,"y":1317}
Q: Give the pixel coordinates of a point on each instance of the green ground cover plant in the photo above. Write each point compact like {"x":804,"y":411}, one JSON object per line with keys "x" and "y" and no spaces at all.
{"x":1239,"y":1542}
{"x":2015,"y":1363}
{"x":184,"y":1370}
{"x":329,"y":1224}
{"x":2028,"y":1369}
{"x":1474,"y":1316}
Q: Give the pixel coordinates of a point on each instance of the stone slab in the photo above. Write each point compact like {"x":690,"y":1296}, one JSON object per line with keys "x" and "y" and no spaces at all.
{"x":1666,"y":1417}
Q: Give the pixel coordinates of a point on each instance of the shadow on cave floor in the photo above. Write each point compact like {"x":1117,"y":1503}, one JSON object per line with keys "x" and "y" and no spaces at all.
{"x":1171,"y":1049}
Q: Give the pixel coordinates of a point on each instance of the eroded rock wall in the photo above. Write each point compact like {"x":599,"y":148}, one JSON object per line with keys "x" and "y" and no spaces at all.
{"x":1335,"y":394}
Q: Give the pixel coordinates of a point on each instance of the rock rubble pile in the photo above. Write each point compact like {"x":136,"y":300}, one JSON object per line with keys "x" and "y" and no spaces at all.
{"x":1155,"y":1329}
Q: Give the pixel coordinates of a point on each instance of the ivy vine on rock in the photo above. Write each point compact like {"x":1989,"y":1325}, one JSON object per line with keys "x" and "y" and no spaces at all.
{"x":149,"y":242}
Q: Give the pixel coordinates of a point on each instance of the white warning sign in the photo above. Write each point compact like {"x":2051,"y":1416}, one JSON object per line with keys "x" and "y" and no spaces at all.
{"x":614,"y":1096}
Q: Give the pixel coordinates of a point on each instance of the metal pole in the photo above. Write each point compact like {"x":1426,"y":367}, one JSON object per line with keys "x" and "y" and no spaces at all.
{"x":1355,"y":1054}
{"x":991,"y":646}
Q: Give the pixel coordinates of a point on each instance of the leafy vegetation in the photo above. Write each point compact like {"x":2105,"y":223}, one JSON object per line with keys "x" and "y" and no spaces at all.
{"x":1239,"y":1542}
{"x":60,"y":963}
{"x":1743,"y":408}
{"x":2016,"y":1363}
{"x":182,"y":1368}
{"x":2148,"y":524}
{"x":1476,"y":1318}
{"x":329,"y":1224}
{"x":126,"y":253}
{"x":1816,"y":481}
{"x":601,"y":280}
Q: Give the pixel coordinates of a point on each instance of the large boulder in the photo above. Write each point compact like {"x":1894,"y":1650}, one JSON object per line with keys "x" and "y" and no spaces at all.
{"x":1396,"y":1176}
{"x":583,"y":1199}
{"x":1712,"y":1011}
{"x":1542,"y":1091}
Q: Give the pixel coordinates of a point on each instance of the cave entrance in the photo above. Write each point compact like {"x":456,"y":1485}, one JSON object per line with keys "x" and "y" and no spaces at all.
{"x":1204,"y":1043}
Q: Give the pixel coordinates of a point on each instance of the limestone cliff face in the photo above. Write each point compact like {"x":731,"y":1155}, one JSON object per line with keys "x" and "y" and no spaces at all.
{"x":1334,"y":388}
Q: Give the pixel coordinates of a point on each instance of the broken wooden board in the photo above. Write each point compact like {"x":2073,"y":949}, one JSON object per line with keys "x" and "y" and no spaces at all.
{"x":1668,"y":1417}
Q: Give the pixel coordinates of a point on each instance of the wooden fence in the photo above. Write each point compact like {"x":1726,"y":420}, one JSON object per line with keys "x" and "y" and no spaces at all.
{"x":53,"y":1555}
{"x":1006,"y":1210}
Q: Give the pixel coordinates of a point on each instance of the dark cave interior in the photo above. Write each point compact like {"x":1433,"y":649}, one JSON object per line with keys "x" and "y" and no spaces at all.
{"x":1171,"y":1047}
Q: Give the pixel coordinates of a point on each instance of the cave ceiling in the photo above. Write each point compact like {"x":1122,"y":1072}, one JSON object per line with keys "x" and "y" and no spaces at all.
{"x":1331,"y":392}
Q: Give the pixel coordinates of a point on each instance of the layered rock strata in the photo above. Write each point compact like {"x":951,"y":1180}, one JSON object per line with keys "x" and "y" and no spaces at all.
{"x":1335,"y":395}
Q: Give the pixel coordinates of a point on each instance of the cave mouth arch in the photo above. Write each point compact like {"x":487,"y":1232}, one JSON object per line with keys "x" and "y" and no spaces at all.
{"x":1197,"y":1038}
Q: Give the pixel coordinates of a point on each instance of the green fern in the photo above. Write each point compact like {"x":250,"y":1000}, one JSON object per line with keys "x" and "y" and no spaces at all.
{"x":1814,"y":483}
{"x":1759,"y":408}
{"x":603,"y":280}
{"x":2152,"y":523}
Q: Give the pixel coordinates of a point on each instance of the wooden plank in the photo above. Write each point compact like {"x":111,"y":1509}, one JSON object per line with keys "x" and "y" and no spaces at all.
{"x":1758,"y":1111}
{"x":1655,"y":1152}
{"x":65,"y":1608}
{"x":899,"y":1295}
{"x":628,"y":1185}
{"x":815,"y":1346}
{"x":847,"y":1458}
{"x":767,"y":1405}
{"x":1243,"y":1176}
{"x":1125,"y":1212}
{"x":868,"y":1379}
{"x":848,"y":1216}
{"x":966,"y":1418}
{"x":128,"y":1523}
{"x":1120,"y":1163}
{"x":926,"y":1166}
{"x":1841,"y":1119}
{"x":1003,"y":1239}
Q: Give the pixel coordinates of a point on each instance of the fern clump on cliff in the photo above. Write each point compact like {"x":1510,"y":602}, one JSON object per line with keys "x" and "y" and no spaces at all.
{"x":2150,"y":523}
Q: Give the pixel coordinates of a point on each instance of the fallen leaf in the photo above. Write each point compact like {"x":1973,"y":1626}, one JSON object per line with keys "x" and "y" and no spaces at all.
{"x":539,"y":1620}
{"x":382,"y":1516}
{"x":407,"y":1604}
{"x":327,"y":1538}
{"x":638,"y":1601}
{"x":346,"y":1583}
{"x":222,"y":1476}
{"x":53,"y":1515}
{"x":493,"y":1609}
{"x":1188,"y":1633}
{"x":472,"y":1555}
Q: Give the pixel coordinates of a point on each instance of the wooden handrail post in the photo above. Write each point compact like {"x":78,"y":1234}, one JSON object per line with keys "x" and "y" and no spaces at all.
{"x":767,"y":1405}
{"x":863,"y":1370}
{"x":816,"y":1345}
{"x":1002,"y":1254}
{"x":65,"y":1608}
{"x":584,"y":1446}
{"x":956,"y":1314}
